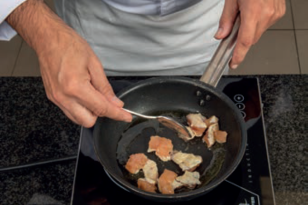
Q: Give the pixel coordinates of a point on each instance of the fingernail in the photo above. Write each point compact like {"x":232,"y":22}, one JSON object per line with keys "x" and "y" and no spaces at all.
{"x":117,"y":101}
{"x":234,"y":66}
{"x":218,"y":33}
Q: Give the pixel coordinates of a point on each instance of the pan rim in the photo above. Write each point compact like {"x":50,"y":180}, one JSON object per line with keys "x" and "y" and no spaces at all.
{"x":202,"y":190}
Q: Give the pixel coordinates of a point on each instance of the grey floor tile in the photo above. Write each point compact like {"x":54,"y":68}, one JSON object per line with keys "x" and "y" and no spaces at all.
{"x":286,"y":22}
{"x":302,"y":45}
{"x":300,"y":8}
{"x":27,"y":62}
{"x":275,"y":53}
{"x":8,"y":54}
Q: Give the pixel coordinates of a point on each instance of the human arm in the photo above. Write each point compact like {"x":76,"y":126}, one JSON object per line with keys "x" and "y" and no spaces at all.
{"x":72,"y":74}
{"x":256,"y":17}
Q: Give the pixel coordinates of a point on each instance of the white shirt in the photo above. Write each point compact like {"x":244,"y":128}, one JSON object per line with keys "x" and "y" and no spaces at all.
{"x":6,"y":7}
{"x":146,"y":7}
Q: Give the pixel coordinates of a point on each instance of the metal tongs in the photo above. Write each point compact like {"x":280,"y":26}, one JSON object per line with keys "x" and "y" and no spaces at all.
{"x":221,"y":57}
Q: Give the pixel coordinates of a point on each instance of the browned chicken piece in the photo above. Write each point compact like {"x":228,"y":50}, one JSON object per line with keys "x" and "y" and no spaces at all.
{"x":188,"y":179}
{"x":209,"y":138}
{"x":212,"y":120}
{"x":187,"y":162}
{"x":196,"y":123}
{"x":220,"y":136}
{"x":165,"y":182}
{"x":150,"y":171}
{"x":146,"y":186}
{"x":163,"y":147}
{"x":136,"y":162}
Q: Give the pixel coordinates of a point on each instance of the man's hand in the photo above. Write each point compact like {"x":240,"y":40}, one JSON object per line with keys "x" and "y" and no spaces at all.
{"x":72,"y":74}
{"x":256,"y":17}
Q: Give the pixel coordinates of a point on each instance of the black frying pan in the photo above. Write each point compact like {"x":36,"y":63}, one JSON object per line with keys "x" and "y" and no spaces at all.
{"x":115,"y":141}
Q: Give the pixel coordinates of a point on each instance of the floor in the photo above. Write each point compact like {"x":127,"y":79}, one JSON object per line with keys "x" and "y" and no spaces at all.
{"x":283,"y":49}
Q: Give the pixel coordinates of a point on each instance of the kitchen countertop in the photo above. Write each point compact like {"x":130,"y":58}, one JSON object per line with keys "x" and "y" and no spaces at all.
{"x":32,"y":129}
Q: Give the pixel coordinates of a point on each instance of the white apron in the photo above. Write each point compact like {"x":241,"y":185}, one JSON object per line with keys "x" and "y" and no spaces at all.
{"x":129,"y":44}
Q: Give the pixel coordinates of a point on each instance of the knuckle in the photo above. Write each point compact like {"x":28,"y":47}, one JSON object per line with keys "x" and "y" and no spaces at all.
{"x":89,"y":122}
{"x":237,"y":58}
{"x":107,"y":89}
{"x":270,"y":12}
{"x":246,"y":43}
{"x":70,"y":87}
{"x":85,"y":120}
{"x":56,"y":97}
{"x":100,"y":111}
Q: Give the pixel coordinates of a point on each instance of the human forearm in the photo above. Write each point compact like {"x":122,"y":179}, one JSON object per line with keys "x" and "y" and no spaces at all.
{"x":39,"y":26}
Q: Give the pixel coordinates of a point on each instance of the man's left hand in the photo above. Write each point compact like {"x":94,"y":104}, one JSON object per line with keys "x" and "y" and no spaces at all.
{"x":256,"y":17}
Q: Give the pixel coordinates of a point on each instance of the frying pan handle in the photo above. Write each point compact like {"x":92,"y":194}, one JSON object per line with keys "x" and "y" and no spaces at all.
{"x":221,"y":57}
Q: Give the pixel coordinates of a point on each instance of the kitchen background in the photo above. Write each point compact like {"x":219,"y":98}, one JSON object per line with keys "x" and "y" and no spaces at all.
{"x":283,"y":49}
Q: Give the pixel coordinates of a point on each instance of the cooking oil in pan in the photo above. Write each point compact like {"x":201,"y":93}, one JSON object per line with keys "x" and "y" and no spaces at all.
{"x":136,"y":139}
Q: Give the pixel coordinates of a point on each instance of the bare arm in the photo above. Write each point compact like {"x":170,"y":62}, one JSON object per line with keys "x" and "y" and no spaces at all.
{"x":73,"y":76}
{"x":35,"y":22}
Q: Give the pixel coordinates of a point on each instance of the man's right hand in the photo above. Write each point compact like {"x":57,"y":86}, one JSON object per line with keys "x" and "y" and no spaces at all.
{"x":73,"y":76}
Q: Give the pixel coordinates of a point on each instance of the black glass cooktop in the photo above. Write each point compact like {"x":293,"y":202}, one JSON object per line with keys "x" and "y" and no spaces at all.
{"x":249,"y":184}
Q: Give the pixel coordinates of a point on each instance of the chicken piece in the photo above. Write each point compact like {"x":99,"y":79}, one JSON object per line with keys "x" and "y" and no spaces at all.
{"x":209,"y":138}
{"x":144,"y":185}
{"x":196,"y":123}
{"x":188,"y":179}
{"x":220,"y":136}
{"x":136,"y":162}
{"x":150,"y":171}
{"x":165,"y":182}
{"x":163,"y":147}
{"x":176,"y":185}
{"x":212,"y":120}
{"x":187,"y":162}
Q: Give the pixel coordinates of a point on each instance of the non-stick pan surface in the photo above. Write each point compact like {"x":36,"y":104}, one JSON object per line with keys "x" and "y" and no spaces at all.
{"x":114,"y":141}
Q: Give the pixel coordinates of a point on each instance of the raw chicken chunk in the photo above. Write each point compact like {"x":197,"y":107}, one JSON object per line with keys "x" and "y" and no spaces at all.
{"x":187,"y":162}
{"x":150,"y":171}
{"x":209,"y":138}
{"x":163,"y":147}
{"x":136,"y":162}
{"x":220,"y":136}
{"x":196,"y":123}
{"x":188,"y":179}
{"x":165,"y":182}
{"x":146,"y":186}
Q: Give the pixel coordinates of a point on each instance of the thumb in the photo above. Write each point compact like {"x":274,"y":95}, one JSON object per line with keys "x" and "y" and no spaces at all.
{"x":101,"y":83}
{"x":227,"y":19}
